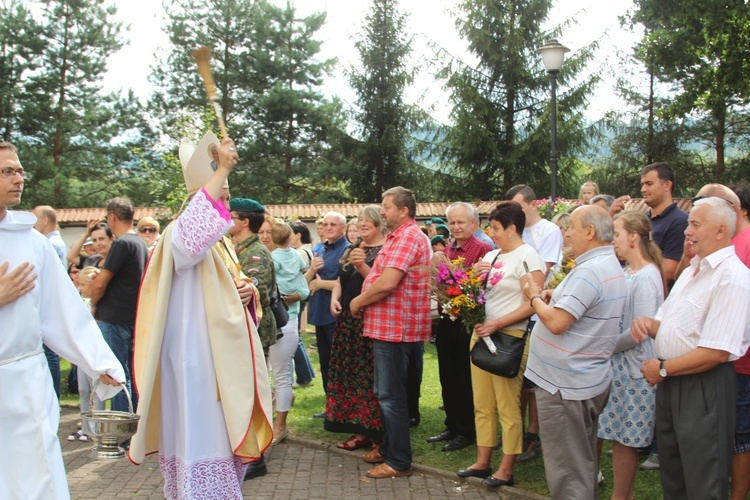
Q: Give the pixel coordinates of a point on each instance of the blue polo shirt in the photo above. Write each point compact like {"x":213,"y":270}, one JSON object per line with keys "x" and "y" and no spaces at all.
{"x":319,"y":308}
{"x":668,"y":231}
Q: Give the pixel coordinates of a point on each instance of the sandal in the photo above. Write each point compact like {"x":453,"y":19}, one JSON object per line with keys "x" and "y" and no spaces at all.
{"x":78,"y":436}
{"x":354,"y":443}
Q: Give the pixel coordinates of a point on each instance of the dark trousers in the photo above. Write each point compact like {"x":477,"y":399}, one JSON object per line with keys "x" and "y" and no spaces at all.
{"x":392,"y":362}
{"x":324,"y":338}
{"x":53,"y":361}
{"x":454,"y":366}
{"x":414,"y":381}
{"x":695,"y":425}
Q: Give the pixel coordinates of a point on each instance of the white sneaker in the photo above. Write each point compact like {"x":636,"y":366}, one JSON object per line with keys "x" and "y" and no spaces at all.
{"x":651,"y":463}
{"x":600,"y":478}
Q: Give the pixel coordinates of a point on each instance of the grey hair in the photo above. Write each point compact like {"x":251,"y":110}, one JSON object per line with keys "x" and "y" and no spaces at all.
{"x":602,"y":222}
{"x":466,"y":206}
{"x":723,"y":212}
{"x":606,"y":198}
{"x":341,"y":218}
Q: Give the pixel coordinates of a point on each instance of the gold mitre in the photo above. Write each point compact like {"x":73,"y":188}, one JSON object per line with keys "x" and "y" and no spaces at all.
{"x":199,"y":162}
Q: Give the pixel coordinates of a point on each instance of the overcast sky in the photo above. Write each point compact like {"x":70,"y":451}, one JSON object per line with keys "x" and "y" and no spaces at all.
{"x":429,"y":21}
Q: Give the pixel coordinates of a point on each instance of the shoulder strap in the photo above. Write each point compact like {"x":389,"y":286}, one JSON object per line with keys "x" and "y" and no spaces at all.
{"x":487,"y":276}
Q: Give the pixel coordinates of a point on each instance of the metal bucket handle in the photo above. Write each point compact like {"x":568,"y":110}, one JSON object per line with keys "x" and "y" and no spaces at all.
{"x":124,"y":388}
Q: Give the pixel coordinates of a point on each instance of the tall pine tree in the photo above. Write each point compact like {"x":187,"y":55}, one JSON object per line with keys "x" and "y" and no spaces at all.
{"x":500,"y":134}
{"x":385,"y":121}
{"x":268,"y":75}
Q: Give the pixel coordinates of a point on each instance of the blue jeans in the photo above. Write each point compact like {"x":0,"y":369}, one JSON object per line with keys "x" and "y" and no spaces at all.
{"x":119,"y":338}
{"x":53,"y":360}
{"x":393,"y":361}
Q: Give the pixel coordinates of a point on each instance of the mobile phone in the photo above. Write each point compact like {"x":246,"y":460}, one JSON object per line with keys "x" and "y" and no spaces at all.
{"x":526,"y":267}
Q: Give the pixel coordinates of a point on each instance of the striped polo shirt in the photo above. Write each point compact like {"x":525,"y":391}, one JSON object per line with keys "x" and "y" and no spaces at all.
{"x":576,"y":362}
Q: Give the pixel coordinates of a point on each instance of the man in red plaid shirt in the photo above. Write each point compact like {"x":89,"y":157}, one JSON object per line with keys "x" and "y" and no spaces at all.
{"x":395,"y":303}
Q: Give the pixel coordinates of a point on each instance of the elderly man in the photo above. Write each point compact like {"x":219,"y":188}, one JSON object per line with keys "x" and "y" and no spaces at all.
{"x":452,"y":341}
{"x":396,"y":302}
{"x":38,"y":302}
{"x":701,"y":326}
{"x":46,"y":223}
{"x":571,"y":345}
{"x":322,"y":276}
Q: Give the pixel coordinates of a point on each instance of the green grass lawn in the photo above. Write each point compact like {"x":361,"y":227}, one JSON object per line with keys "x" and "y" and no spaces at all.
{"x":529,"y":476}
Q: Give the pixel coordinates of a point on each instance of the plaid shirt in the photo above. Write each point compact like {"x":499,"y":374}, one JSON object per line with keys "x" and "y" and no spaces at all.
{"x":404,"y":315}
{"x":472,"y":251}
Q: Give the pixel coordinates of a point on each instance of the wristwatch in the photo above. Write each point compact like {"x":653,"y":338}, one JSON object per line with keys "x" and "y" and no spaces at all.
{"x":662,"y":370}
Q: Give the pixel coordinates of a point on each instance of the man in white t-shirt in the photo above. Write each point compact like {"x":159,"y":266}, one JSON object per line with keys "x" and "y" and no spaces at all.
{"x":544,"y":237}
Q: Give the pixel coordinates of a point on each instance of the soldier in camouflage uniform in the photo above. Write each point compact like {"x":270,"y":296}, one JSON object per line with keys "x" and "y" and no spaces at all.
{"x":248,"y":216}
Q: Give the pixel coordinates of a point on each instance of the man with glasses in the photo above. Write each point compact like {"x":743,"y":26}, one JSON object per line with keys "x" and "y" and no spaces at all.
{"x":322,"y":275}
{"x":38,"y":303}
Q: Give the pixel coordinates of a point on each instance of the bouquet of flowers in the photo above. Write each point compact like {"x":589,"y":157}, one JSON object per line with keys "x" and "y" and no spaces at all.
{"x":566,"y":265}
{"x":460,"y":291}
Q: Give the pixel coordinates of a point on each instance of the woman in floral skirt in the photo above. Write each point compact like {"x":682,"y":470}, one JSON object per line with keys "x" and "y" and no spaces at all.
{"x":352,"y":405}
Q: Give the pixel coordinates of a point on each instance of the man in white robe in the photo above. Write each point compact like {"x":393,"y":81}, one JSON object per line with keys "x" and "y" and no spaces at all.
{"x":38,"y":303}
{"x":205,"y":399}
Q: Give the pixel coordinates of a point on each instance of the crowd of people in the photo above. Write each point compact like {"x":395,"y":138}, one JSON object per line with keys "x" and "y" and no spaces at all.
{"x":643,"y":342}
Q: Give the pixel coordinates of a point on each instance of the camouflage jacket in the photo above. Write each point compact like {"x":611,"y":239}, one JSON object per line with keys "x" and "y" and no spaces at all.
{"x":257,"y":265}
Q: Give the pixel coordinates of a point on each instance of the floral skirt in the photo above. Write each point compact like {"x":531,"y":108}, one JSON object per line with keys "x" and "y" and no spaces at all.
{"x":629,"y":415}
{"x":351,"y":405}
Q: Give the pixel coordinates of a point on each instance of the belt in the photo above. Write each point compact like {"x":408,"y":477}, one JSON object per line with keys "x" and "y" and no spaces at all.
{"x":22,"y":356}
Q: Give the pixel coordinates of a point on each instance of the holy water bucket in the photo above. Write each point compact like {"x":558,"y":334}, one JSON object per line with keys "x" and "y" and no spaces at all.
{"x":109,"y":428}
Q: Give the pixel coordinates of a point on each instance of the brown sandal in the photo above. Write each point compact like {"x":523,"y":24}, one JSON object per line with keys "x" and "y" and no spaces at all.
{"x":354,"y":443}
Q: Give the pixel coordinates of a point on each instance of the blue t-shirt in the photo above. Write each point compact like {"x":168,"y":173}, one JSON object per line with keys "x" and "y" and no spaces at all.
{"x":319,"y":312}
{"x":668,"y":231}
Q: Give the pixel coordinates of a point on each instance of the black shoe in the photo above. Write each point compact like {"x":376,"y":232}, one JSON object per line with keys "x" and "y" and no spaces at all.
{"x":446,"y":435}
{"x":414,"y":422}
{"x":480,"y":473}
{"x":458,"y":443}
{"x":322,"y":414}
{"x":256,"y":469}
{"x":493,"y":482}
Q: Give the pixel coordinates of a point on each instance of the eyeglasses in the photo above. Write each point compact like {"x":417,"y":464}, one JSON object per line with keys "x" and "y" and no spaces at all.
{"x":9,"y":171}
{"x":147,"y":230}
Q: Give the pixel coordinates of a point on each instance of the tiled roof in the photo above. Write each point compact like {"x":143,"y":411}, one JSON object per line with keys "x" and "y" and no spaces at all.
{"x":308,"y":212}
{"x":80,"y":216}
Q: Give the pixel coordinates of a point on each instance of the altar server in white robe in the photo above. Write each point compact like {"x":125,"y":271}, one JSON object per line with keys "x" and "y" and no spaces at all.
{"x":205,"y":398}
{"x":38,"y":303}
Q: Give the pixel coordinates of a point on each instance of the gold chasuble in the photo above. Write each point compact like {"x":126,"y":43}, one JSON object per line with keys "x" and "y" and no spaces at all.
{"x":243,"y":385}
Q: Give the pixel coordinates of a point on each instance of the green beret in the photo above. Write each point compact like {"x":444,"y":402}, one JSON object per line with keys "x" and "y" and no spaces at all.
{"x":437,"y":239}
{"x":434,"y":220}
{"x":444,"y":227}
{"x":245,"y":205}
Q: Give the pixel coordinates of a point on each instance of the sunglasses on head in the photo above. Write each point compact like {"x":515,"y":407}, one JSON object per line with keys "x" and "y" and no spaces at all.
{"x":147,"y":230}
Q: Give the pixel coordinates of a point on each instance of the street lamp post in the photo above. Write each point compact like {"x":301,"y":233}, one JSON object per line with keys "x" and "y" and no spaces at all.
{"x":553,"y":54}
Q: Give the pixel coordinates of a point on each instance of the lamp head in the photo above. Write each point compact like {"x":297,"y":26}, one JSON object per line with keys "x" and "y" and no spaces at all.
{"x":553,"y":54}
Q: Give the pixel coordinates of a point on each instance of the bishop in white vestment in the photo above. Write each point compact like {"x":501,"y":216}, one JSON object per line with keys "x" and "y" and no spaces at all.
{"x":198,"y":364}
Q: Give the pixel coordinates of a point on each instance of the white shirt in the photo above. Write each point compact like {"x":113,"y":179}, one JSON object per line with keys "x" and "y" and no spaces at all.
{"x":544,"y":237}
{"x":709,"y":309}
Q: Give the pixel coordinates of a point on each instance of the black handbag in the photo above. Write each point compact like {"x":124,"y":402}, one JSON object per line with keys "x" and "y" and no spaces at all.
{"x":506,"y":360}
{"x":280,"y":308}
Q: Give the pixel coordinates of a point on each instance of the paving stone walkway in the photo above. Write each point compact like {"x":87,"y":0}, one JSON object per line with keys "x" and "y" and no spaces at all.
{"x":297,"y":469}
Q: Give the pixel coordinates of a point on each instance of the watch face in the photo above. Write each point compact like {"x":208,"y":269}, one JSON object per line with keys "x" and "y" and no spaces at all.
{"x":662,"y":372}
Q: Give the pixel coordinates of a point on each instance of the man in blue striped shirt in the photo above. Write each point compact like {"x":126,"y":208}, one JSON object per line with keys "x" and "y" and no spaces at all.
{"x":569,"y":356}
